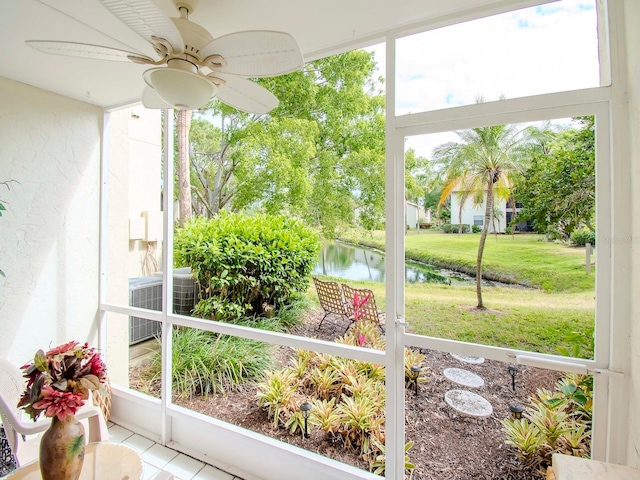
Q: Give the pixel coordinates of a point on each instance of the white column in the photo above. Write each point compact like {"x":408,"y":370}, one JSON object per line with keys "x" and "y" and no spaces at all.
{"x":395,"y":232}
{"x":629,"y":66}
{"x":167,"y":275}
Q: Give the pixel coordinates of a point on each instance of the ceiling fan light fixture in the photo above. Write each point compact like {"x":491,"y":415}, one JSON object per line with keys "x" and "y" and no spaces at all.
{"x":179,"y":87}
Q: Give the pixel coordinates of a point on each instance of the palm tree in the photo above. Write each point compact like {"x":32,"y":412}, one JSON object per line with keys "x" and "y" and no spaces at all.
{"x":481,"y":163}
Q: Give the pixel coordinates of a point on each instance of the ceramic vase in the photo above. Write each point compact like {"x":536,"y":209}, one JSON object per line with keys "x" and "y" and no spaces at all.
{"x":62,"y":450}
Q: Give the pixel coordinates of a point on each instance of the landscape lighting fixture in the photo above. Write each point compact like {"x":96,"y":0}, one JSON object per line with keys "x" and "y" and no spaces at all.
{"x":305,"y":408}
{"x":516,"y":410}
{"x":513,"y":370}
{"x":415,"y":373}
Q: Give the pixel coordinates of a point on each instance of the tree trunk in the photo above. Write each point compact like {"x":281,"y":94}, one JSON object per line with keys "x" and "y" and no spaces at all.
{"x":184,"y":174}
{"x":513,"y":217}
{"x":462,"y":201}
{"x":216,"y":191}
{"x":483,"y":238}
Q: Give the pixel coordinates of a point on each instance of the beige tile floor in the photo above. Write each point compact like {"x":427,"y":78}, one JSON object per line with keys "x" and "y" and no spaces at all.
{"x":156,"y":457}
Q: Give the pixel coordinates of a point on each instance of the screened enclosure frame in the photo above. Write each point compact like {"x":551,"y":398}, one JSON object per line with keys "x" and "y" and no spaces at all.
{"x":611,"y":326}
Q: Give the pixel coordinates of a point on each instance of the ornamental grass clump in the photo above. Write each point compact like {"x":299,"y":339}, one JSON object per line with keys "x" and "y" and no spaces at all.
{"x":206,"y":363}
{"x":59,"y":380}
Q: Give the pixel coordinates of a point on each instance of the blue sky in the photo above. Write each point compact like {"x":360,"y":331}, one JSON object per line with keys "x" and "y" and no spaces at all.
{"x":549,"y":48}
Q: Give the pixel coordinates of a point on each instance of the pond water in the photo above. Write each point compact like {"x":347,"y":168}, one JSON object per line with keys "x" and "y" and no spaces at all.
{"x":351,"y":262}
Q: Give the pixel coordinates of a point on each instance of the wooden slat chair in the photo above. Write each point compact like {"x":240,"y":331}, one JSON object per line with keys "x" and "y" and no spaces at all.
{"x":369,"y":311}
{"x":331,"y":299}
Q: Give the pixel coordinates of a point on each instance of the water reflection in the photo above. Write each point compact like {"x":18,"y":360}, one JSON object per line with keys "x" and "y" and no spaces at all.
{"x":356,"y":263}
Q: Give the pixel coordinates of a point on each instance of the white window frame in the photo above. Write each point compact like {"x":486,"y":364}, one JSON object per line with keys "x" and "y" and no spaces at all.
{"x":544,"y":107}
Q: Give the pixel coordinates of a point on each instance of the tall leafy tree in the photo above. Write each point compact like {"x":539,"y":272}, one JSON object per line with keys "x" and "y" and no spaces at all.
{"x":481,"y":161}
{"x":318,"y":156}
{"x":418,"y":174}
{"x":558,"y":190}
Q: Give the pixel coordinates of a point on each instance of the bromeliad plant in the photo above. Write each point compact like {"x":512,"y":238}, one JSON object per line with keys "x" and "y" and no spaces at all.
{"x":556,"y":422}
{"x":59,"y":380}
{"x":347,"y":395}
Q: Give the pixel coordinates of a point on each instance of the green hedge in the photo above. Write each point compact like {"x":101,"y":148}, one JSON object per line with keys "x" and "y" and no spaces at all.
{"x":455,"y":228}
{"x":245,"y":265}
{"x":581,"y":237}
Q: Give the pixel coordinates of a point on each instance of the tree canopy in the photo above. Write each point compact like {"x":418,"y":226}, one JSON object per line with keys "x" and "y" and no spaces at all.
{"x":318,"y":156}
{"x":558,"y":189}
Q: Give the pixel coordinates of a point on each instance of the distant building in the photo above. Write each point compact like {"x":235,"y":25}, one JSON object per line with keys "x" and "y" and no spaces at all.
{"x":474,"y":214}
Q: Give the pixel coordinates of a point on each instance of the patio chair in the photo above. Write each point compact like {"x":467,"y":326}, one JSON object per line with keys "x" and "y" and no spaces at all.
{"x":17,"y":424}
{"x":368,"y":311}
{"x":331,"y":299}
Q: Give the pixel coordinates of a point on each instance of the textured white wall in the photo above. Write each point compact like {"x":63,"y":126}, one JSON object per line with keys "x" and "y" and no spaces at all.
{"x":50,"y":146}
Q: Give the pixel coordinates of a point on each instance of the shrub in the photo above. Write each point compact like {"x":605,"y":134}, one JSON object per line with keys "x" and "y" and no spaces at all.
{"x":455,"y":228}
{"x":581,"y":344}
{"x":245,"y":265}
{"x":556,"y":422}
{"x":476,"y":228}
{"x":581,"y":237}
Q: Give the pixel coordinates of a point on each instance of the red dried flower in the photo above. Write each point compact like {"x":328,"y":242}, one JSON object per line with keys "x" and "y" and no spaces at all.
{"x":59,"y":381}
{"x":58,"y":404}
{"x":98,"y":367}
{"x":64,"y":348}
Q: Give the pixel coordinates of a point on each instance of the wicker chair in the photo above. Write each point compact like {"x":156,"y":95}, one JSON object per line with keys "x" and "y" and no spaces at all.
{"x":16,"y":425}
{"x":368,"y":311}
{"x":331,"y":299}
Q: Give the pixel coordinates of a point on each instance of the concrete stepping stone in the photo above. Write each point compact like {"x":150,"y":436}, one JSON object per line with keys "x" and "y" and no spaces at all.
{"x":463,"y":377}
{"x":468,"y":403}
{"x":467,"y":359}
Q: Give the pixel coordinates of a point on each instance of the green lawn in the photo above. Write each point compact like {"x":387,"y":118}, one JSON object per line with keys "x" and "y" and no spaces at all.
{"x":523,"y":258}
{"x":529,"y":319}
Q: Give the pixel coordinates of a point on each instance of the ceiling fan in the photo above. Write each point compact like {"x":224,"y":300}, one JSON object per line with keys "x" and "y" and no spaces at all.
{"x":193,"y":66}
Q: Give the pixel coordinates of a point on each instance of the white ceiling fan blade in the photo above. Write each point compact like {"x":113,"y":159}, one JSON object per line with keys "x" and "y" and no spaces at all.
{"x":245,"y":95}
{"x":83,"y":50}
{"x":146,"y":19}
{"x":151,"y":99}
{"x":255,"y":53}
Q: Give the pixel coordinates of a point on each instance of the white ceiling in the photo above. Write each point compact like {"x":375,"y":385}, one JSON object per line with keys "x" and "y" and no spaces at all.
{"x":320,"y":28}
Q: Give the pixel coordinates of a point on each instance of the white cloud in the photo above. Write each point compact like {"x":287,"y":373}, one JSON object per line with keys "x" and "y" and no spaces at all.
{"x":543,"y":49}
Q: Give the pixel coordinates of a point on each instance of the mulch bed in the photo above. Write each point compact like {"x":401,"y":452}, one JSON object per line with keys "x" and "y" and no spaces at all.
{"x":447,"y":445}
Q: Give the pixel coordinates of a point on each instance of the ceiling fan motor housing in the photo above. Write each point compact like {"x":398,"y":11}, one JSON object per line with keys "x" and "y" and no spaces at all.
{"x":194,"y":36}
